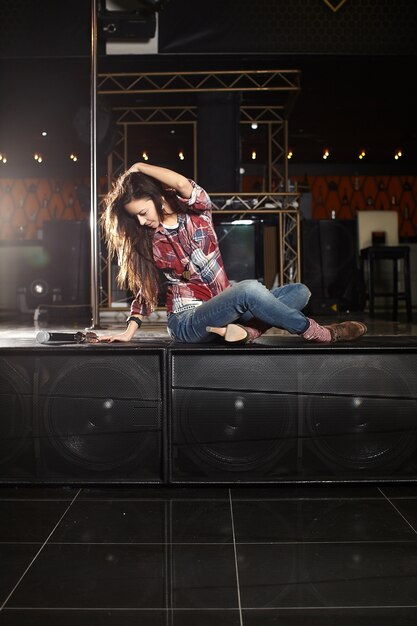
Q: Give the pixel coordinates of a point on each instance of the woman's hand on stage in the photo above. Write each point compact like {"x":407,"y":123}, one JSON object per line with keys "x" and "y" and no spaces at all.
{"x":125,"y":336}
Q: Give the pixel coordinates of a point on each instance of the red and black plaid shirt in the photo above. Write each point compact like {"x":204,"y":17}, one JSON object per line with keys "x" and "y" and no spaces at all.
{"x":192,"y":246}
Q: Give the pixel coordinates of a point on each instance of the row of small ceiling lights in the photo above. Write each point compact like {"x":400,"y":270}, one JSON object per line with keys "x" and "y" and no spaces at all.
{"x":37,"y":157}
{"x":362,"y":154}
{"x":145,"y":155}
{"x":326,"y":154}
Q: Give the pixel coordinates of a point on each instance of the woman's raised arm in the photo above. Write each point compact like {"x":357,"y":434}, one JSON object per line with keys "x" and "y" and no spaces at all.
{"x":167,"y":177}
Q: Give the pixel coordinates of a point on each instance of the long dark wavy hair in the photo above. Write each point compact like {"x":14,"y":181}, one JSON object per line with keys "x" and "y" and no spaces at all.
{"x":127,"y":239}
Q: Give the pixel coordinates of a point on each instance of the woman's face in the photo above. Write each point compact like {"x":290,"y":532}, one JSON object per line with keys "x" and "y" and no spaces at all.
{"x":144,"y":211}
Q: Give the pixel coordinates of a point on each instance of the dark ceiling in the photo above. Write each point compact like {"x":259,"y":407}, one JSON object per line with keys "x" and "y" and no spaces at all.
{"x":362,"y":98}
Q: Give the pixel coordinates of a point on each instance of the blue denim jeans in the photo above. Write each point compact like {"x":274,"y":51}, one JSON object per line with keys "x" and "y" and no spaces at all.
{"x":243,"y":302}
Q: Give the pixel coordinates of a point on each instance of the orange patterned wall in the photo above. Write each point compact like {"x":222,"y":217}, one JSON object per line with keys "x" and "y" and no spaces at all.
{"x":345,"y":195}
{"x":26,"y":203}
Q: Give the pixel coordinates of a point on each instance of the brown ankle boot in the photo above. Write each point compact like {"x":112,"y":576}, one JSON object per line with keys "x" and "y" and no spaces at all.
{"x":346,"y":331}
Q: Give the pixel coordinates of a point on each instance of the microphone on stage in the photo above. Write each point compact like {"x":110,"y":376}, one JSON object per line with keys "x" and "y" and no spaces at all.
{"x":44,"y":336}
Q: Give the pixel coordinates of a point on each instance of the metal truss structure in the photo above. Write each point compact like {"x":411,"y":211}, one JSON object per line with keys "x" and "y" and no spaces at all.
{"x":283,"y":84}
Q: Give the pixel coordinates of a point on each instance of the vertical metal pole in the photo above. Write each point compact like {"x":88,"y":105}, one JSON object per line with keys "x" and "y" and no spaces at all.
{"x":93,"y":169}
{"x":286,"y":180}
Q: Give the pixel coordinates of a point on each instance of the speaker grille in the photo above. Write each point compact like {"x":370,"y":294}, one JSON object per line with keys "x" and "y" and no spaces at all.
{"x":16,"y":456}
{"x":102,"y":416}
{"x":360,"y":413}
{"x":233,"y":432}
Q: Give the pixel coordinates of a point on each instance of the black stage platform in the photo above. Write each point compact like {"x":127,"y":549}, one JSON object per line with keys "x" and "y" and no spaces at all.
{"x":153,"y":411}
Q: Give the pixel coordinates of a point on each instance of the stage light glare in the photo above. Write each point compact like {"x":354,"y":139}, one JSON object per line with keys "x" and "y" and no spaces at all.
{"x":38,"y":289}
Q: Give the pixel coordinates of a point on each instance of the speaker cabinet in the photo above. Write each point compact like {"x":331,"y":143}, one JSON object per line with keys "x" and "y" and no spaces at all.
{"x":17,"y":458}
{"x":283,"y":411}
{"x":78,"y":415}
{"x":55,"y":270}
{"x":68,"y":245}
{"x":218,"y":121}
{"x":359,"y":415}
{"x":232,"y":418}
{"x":330,"y":264}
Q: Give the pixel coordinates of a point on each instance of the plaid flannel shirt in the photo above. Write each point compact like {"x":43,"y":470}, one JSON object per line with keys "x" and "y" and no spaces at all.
{"x":192,"y":246}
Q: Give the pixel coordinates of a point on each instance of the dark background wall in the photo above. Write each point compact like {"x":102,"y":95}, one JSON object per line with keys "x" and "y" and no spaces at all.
{"x":357,"y":70}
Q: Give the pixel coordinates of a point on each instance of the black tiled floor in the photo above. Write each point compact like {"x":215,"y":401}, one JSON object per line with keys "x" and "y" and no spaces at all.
{"x":244,"y":556}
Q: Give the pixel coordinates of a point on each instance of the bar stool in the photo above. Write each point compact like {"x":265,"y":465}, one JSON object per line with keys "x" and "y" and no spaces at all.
{"x":385,"y":222}
{"x":372,"y":255}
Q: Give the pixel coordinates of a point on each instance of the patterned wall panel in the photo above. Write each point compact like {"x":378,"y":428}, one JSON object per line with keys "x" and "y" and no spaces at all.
{"x":26,"y":203}
{"x":345,"y":195}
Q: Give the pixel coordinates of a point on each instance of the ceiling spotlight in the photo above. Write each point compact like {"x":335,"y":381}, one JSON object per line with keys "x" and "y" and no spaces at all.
{"x":73,"y":157}
{"x":181,"y":155}
{"x":398,"y":155}
{"x":253,"y":155}
{"x":254,"y":126}
{"x":145,"y":156}
{"x":326,"y":153}
{"x":44,"y":133}
{"x":289,"y":155}
{"x":361,"y":155}
{"x":38,"y":157}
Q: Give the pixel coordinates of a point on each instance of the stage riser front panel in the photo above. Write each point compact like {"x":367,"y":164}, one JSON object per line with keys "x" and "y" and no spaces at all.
{"x":266,"y":416}
{"x":81,"y":417}
{"x":209,"y":414}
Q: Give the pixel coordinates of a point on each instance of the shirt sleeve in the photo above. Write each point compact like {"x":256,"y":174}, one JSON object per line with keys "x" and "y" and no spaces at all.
{"x":199,"y":201}
{"x":139,"y":306}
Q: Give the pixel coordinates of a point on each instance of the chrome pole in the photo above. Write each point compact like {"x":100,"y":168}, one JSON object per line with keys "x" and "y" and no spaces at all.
{"x":93,"y":170}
